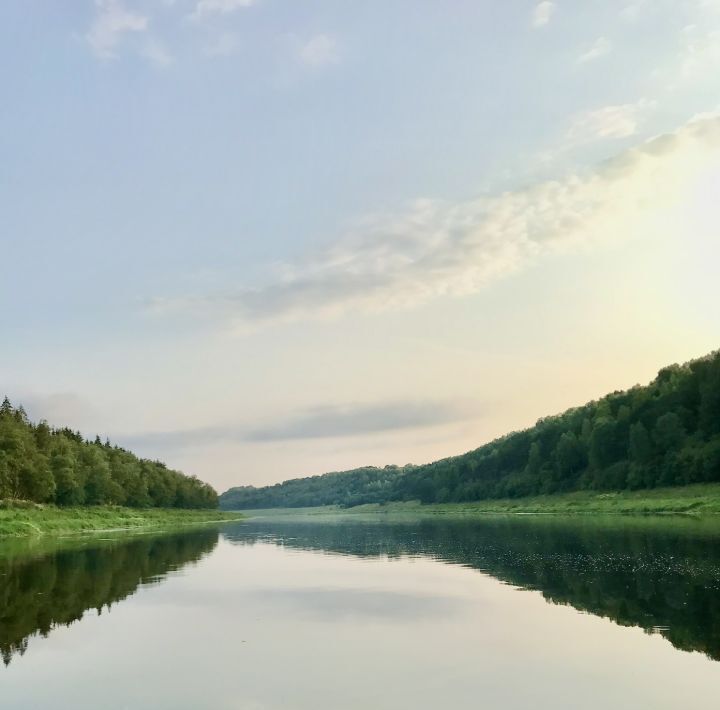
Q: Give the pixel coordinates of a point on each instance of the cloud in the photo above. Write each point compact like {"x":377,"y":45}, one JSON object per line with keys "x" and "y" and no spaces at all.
{"x":616,"y":121}
{"x":319,"y":50}
{"x":543,"y":12}
{"x":436,"y":249}
{"x":112,"y":21}
{"x":600,"y":48}
{"x":328,"y":421}
{"x":219,"y":7}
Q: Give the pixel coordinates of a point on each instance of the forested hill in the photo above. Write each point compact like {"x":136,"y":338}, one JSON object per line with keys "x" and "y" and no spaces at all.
{"x":666,"y":433}
{"x":45,"y":465}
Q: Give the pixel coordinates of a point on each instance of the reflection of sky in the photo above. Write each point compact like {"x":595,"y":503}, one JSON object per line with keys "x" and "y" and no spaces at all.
{"x":268,"y":239}
{"x":330,"y":605}
{"x":264,"y":627}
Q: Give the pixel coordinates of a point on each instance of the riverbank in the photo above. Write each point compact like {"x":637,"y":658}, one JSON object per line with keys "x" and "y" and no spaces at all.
{"x":695,"y":499}
{"x":29,"y":520}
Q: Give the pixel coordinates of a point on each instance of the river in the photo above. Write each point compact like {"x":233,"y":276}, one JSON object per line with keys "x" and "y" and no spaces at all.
{"x":301,"y":612}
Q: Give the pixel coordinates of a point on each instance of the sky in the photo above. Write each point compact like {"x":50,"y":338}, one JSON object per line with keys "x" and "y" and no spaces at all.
{"x":263,"y":239}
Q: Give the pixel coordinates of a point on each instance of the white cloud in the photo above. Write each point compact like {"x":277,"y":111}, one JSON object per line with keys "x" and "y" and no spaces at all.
{"x":543,"y":12}
{"x":112,"y":21}
{"x":219,"y":7}
{"x":319,"y":50}
{"x":435,"y":249}
{"x":600,"y":47}
{"x":616,"y":121}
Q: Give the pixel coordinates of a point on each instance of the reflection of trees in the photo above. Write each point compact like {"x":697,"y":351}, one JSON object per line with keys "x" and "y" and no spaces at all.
{"x":40,"y":593}
{"x":662,"y":577}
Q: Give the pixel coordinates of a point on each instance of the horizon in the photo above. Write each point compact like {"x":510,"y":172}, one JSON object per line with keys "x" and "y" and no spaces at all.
{"x":707,"y":357}
{"x":259,"y":241}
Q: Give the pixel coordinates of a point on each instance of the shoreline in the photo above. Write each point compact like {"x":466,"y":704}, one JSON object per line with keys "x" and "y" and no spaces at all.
{"x":692,"y":500}
{"x":35,"y":521}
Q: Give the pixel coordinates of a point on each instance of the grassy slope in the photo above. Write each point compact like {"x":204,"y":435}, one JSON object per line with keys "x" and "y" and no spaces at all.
{"x":700,"y":498}
{"x":25,"y":521}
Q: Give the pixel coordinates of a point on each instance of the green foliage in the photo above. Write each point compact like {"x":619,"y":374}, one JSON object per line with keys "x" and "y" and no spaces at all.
{"x":45,"y":465}
{"x":664,"y":434}
{"x":22,"y":518}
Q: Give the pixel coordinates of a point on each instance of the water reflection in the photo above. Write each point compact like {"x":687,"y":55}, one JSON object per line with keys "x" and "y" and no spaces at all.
{"x":662,"y":575}
{"x":44,"y":589}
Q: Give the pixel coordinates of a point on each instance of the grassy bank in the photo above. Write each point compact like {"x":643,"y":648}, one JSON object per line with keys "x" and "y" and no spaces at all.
{"x":696,"y":499}
{"x":27,"y":520}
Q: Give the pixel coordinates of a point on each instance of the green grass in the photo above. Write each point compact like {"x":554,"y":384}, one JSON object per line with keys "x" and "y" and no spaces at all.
{"x":696,"y":499}
{"x":19,"y":519}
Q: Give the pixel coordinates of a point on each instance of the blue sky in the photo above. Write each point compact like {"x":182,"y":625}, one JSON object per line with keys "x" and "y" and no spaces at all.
{"x":261,"y":239}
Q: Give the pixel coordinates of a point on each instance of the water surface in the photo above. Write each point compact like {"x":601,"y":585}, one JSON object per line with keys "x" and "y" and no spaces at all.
{"x":498,"y":612}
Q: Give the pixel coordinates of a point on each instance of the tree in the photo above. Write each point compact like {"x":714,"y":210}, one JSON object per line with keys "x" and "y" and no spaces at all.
{"x":68,"y":489}
{"x":6,"y":409}
{"x":606,"y":446}
{"x":97,"y":481}
{"x":640,"y":446}
{"x":36,"y":480}
{"x":639,"y":453}
{"x":570,"y":456}
{"x":8,"y":482}
{"x":709,"y":414}
{"x":669,"y":432}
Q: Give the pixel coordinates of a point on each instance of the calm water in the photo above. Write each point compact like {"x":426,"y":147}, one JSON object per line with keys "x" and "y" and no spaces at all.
{"x":496,"y":613}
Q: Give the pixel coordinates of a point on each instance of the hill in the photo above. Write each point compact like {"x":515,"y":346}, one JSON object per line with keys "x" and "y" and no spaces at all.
{"x":666,"y":433}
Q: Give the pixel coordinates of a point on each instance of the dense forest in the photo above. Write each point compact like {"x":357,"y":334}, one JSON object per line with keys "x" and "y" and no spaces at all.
{"x":664,"y":434}
{"x":46,"y":465}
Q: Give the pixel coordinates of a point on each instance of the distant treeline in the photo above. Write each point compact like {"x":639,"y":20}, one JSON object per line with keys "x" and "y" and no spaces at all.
{"x":664,"y":434}
{"x":45,"y":465}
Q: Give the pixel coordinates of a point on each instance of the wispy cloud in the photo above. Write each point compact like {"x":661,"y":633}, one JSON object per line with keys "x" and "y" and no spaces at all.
{"x":543,"y":12}
{"x":600,"y":47}
{"x":436,"y":249}
{"x":329,"y":421}
{"x":112,"y":21}
{"x":319,"y":50}
{"x":615,"y":121}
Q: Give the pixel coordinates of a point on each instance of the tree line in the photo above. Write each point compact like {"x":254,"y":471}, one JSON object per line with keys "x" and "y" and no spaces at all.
{"x":664,"y":434}
{"x":46,"y":465}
